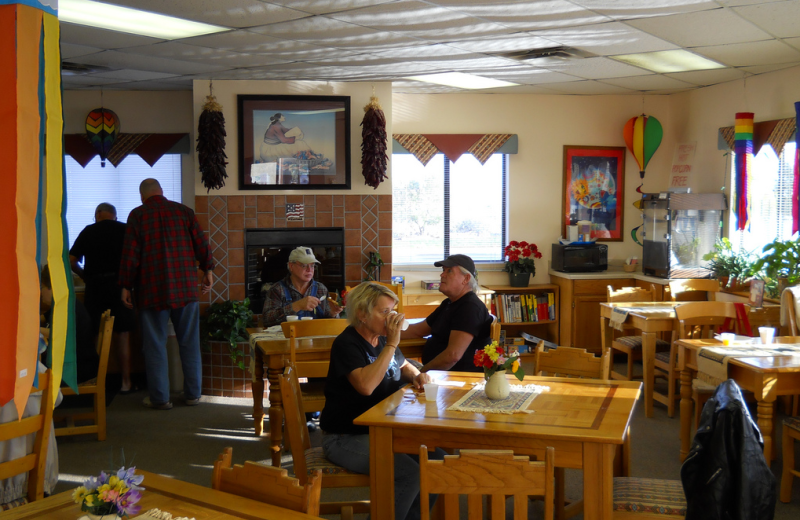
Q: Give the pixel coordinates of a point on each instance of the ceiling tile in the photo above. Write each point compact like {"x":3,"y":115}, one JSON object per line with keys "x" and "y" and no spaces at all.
{"x":150,"y":85}
{"x":652,"y":82}
{"x":734,"y":3}
{"x":227,"y":13}
{"x":762,"y":69}
{"x":749,"y":54}
{"x":418,"y":87}
{"x":507,"y":43}
{"x":69,"y":80}
{"x":519,"y":89}
{"x":587,"y":87}
{"x":133,"y":75}
{"x":596,"y":68}
{"x":781,"y":19}
{"x":93,"y":37}
{"x":526,"y":15}
{"x":121,"y":60}
{"x":708,"y":77}
{"x":327,"y":6}
{"x":69,"y":50}
{"x":181,"y":51}
{"x":693,"y":30}
{"x":607,"y":39}
{"x":632,"y":9}
{"x":429,"y":50}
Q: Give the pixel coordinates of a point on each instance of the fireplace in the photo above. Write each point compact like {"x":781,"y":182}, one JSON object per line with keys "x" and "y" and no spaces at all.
{"x":267,"y":253}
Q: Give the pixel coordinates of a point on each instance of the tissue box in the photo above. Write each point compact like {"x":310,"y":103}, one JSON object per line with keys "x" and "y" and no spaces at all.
{"x":430,"y":285}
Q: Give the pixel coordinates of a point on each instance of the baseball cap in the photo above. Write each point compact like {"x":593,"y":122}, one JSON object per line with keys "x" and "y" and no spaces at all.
{"x":303,"y":255}
{"x":458,"y":260}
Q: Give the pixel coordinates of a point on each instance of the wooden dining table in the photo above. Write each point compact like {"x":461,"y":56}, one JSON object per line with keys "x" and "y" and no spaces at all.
{"x":181,"y":499}
{"x":585,"y":421}
{"x":767,"y":377}
{"x":272,"y":354}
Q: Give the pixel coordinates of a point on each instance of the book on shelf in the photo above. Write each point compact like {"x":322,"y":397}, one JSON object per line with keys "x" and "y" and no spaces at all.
{"x":523,"y":308}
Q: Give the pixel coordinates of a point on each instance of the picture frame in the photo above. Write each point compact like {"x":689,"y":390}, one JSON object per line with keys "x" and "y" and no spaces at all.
{"x":756,"y":293}
{"x":293,"y":142}
{"x":594,"y":189}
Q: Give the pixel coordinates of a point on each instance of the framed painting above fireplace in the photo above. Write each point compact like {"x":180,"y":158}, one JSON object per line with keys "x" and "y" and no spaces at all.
{"x":294,"y":142}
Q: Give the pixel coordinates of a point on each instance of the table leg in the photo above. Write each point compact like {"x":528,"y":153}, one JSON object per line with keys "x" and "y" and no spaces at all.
{"x":687,"y":406}
{"x":765,"y":413}
{"x":606,"y":338}
{"x":258,"y":392}
{"x":598,"y":481}
{"x":275,"y":415}
{"x":381,"y":473}
{"x":648,"y":361}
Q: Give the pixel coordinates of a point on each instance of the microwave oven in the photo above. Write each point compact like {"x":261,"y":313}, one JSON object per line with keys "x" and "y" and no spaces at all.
{"x":584,"y":258}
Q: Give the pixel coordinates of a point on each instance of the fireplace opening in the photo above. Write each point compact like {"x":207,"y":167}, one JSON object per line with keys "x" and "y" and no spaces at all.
{"x":268,"y":253}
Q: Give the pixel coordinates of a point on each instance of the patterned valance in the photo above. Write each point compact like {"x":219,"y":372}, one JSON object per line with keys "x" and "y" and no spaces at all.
{"x":774,"y":133}
{"x":150,"y":147}
{"x":453,"y":146}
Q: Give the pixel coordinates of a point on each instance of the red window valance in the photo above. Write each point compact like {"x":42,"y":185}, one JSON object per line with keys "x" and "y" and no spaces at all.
{"x":774,"y":133}
{"x":149,"y":147}
{"x":453,"y":146}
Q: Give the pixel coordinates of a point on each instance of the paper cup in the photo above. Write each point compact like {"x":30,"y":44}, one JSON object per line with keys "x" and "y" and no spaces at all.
{"x":292,"y":318}
{"x":431,"y":391}
{"x":767,"y":335}
{"x":727,"y":338}
{"x":306,"y":318}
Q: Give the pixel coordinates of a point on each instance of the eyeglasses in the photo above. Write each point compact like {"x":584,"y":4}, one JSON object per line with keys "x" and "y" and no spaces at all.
{"x":307,"y":267}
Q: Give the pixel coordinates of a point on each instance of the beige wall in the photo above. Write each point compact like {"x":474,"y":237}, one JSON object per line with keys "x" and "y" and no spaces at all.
{"x":226,"y":92}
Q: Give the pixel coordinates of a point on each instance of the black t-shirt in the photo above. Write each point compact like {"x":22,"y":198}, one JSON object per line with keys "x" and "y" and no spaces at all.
{"x":101,"y":245}
{"x":342,"y":402}
{"x":467,"y":314}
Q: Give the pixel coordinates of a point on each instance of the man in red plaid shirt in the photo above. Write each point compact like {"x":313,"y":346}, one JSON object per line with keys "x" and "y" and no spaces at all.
{"x":163,"y":245}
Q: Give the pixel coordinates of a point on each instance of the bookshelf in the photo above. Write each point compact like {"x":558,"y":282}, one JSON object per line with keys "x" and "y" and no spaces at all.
{"x":516,"y":317}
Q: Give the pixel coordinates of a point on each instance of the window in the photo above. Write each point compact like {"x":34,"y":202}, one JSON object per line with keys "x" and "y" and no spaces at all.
{"x":771,"y":200}
{"x":448,"y":208}
{"x":88,"y":187}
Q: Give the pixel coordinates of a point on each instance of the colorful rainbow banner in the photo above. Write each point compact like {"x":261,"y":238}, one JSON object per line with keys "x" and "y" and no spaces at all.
{"x":31,"y":128}
{"x":796,"y":184}
{"x":743,"y":148}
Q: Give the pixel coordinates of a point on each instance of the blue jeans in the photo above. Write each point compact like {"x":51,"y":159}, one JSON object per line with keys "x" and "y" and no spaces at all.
{"x":352,"y":453}
{"x":186,"y":321}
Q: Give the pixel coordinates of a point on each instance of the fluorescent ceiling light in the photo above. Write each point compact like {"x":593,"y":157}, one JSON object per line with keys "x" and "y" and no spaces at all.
{"x":669,"y":61}
{"x":133,"y":21}
{"x":461,"y":80}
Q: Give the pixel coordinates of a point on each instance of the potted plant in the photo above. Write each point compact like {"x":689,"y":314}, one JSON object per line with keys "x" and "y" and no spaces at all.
{"x":520,"y":266}
{"x":373,"y":267}
{"x":729,"y":267}
{"x":780,"y":265}
{"x":227,"y":321}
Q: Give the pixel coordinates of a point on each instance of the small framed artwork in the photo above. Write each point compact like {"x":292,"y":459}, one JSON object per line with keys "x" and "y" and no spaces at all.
{"x":756,"y":293}
{"x":594,"y":187}
{"x":294,"y":142}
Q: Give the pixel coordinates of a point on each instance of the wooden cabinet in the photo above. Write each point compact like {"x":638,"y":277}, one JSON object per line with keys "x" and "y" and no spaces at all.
{"x":545,"y":329}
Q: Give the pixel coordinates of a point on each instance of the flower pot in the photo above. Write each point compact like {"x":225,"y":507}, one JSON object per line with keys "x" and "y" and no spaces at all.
{"x":90,"y":516}
{"x":497,"y":387}
{"x":518,"y":279}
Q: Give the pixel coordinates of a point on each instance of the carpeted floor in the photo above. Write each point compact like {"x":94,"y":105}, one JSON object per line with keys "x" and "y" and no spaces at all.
{"x":185,"y":441}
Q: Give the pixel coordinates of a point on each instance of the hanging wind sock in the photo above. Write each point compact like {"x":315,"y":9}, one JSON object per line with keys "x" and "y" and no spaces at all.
{"x":31,"y":136}
{"x":642,"y":136}
{"x":373,"y":144}
{"x":102,"y":129}
{"x":743,"y":148}
{"x":796,"y":184}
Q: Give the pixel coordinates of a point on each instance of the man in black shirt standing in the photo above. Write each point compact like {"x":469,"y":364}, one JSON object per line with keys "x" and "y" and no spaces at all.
{"x":100,"y":244}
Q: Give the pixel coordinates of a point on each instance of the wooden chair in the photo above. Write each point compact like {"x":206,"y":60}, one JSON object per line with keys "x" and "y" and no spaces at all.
{"x":398,"y":290}
{"x":789,"y":320}
{"x":494,"y":331}
{"x":791,"y":433}
{"x":418,"y":311}
{"x":266,"y":484}
{"x":314,"y":391}
{"x":496,"y":473}
{"x":575,"y":362}
{"x":694,"y":290}
{"x":34,"y":463}
{"x":95,"y":386}
{"x":631,"y":344}
{"x":648,"y":499}
{"x":308,"y":460}
{"x":699,"y":320}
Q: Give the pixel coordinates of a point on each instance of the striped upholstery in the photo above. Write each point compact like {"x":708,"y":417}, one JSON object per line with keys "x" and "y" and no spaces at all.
{"x":648,"y":495}
{"x":315,"y":460}
{"x":635,"y":342}
{"x":14,"y":503}
{"x":663,"y":357}
{"x":792,"y":422}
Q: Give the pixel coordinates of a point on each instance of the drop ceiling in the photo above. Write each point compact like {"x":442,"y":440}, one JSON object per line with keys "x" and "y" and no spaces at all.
{"x":384,"y":40}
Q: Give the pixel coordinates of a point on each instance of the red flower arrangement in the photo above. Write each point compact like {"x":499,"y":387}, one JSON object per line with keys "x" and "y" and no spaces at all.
{"x":493,"y":358}
{"x":520,"y":257}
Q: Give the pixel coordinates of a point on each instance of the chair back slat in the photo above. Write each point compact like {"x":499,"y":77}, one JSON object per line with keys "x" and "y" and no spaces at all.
{"x":630,"y":294}
{"x":571,"y":362}
{"x":701,"y":289}
{"x":418,"y":311}
{"x":295,"y":417}
{"x":295,"y":330}
{"x":496,"y":473}
{"x":700,"y":320}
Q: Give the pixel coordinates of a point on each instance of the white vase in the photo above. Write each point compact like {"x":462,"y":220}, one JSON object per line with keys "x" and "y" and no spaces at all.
{"x":90,"y":516}
{"x":497,"y":387}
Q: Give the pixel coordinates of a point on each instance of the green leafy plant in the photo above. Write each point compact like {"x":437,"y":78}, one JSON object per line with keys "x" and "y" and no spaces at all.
{"x":227,"y":321}
{"x":373,"y":267}
{"x":781,"y":259}
{"x":727,"y":263}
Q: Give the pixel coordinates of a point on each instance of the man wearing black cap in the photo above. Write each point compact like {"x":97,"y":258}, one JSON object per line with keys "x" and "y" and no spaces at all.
{"x":460,"y":325}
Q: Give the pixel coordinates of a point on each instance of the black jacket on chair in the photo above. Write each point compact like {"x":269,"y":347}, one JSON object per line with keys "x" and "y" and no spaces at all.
{"x":725,"y":475}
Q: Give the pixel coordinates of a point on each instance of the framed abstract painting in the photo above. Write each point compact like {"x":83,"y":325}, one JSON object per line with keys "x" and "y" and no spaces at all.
{"x":594,"y":187}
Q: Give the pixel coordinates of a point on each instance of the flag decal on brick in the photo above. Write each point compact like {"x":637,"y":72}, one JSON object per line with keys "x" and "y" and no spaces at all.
{"x":294,"y":212}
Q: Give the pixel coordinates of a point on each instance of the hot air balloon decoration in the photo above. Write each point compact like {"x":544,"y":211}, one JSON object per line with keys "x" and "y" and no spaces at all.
{"x":743,"y":147}
{"x":642,"y":136}
{"x":102,"y":129}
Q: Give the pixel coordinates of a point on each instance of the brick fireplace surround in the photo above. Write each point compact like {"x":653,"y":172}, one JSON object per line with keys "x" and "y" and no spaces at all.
{"x":367,"y":221}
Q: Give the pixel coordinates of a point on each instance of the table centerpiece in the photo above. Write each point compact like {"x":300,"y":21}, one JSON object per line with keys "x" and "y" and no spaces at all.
{"x":110,"y":496}
{"x":496,"y":362}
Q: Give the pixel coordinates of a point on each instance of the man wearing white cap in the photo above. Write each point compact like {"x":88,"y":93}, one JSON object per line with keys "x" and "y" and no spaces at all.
{"x":298,"y":294}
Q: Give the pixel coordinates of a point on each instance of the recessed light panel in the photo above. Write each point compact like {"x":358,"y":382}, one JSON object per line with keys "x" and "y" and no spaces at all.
{"x":669,"y":61}
{"x":461,"y":80}
{"x":133,"y":21}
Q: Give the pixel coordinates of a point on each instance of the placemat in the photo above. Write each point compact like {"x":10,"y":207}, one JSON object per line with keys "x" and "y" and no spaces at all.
{"x":712,"y":362}
{"x":618,"y":317}
{"x":157,"y":514}
{"x":517,"y":401}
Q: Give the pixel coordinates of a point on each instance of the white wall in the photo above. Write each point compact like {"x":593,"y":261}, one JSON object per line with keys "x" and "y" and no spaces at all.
{"x":544,"y":125}
{"x":226,"y":92}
